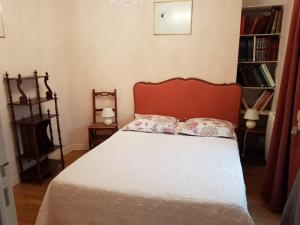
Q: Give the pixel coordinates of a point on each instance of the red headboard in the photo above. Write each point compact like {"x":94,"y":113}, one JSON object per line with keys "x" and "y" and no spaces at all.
{"x":188,"y":98}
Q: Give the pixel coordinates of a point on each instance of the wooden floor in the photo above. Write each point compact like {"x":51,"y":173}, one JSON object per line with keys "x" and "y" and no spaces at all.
{"x":29,"y":197}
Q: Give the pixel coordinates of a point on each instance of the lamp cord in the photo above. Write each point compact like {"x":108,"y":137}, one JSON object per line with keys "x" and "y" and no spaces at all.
{"x":244,"y":147}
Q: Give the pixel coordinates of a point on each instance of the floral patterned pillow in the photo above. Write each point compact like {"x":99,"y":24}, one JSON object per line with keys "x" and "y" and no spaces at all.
{"x":209,"y":127}
{"x":153,"y":124}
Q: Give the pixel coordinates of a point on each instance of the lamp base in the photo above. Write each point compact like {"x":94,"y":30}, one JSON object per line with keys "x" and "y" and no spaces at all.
{"x":107,"y":121}
{"x":250,"y":124}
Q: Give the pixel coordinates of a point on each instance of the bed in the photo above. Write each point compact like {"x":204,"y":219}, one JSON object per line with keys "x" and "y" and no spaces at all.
{"x":137,"y":178}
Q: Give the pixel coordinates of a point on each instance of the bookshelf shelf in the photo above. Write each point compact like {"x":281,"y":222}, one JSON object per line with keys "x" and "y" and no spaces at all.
{"x":260,"y":35}
{"x":260,"y":8}
{"x":259,"y":62}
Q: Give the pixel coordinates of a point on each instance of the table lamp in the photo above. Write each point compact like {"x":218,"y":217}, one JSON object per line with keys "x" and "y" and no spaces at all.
{"x":251,"y":116}
{"x":107,"y":114}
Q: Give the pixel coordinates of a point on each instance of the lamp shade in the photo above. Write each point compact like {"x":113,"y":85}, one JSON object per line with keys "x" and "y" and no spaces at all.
{"x":107,"y":113}
{"x":251,"y":114}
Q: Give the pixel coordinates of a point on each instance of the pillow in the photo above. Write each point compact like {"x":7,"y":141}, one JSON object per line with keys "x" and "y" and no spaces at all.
{"x":208,"y":127}
{"x":153,"y":124}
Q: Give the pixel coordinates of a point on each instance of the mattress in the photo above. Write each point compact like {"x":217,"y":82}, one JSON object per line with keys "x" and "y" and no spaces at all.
{"x":138,"y":178}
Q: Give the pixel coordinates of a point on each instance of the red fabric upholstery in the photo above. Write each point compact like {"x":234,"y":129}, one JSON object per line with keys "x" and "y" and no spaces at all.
{"x":189,"y":98}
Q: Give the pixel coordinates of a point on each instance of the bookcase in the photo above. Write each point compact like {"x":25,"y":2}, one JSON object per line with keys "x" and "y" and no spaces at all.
{"x":257,"y":61}
{"x":33,"y":131}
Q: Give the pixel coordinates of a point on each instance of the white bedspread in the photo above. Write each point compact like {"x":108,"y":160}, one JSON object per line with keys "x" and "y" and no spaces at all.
{"x":150,"y":179}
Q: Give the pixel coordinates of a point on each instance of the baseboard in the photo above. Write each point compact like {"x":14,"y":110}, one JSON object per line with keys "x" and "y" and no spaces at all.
{"x":56,"y":155}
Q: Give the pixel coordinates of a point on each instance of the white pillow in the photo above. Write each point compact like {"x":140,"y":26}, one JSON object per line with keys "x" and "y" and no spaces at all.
{"x":208,"y":127}
{"x":153,"y":124}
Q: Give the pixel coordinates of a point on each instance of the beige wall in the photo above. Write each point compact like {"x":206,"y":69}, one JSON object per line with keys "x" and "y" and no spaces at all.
{"x":113,"y":47}
{"x":104,"y":45}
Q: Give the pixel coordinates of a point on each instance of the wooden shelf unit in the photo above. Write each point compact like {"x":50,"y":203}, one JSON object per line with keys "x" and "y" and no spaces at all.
{"x":33,"y":134}
{"x":251,"y":65}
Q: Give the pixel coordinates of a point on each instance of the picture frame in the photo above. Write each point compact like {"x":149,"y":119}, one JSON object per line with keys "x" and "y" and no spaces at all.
{"x":173,"y":17}
{"x":2,"y":31}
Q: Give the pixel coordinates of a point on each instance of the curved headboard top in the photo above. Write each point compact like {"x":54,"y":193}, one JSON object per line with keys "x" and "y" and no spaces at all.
{"x":188,"y":98}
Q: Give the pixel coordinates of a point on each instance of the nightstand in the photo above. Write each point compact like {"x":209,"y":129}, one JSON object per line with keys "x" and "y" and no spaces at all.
{"x":99,"y":132}
{"x":252,"y":144}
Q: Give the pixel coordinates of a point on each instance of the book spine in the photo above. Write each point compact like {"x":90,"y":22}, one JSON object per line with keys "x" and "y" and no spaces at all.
{"x":260,"y":69}
{"x":252,"y":80}
{"x":275,"y":22}
{"x":266,"y":102}
{"x":279,"y":24}
{"x":262,"y":100}
{"x":268,"y":74}
{"x":270,"y":21}
{"x":245,"y":79}
{"x":253,"y":27}
{"x":243,"y":23}
{"x":257,"y":77}
{"x":259,"y":99}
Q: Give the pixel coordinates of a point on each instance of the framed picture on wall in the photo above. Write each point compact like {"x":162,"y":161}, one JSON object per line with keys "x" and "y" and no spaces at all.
{"x":2,"y":33}
{"x":173,"y":17}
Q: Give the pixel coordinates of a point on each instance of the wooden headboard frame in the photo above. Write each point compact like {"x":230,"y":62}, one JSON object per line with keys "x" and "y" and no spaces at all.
{"x":189,"y":98}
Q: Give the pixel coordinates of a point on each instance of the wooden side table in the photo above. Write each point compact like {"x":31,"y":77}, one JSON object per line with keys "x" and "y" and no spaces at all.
{"x":252,"y":141}
{"x":99,"y":132}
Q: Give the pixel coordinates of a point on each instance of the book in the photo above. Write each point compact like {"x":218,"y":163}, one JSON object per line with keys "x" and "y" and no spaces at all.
{"x":246,"y":50}
{"x":259,"y":99}
{"x":262,"y":101}
{"x":254,"y":25}
{"x":266,"y":102}
{"x":261,"y":49}
{"x":250,"y":51}
{"x":243,"y":23}
{"x":260,"y":29}
{"x":243,"y":76}
{"x":270,"y":21}
{"x":262,"y":73}
{"x":274,"y":25}
{"x":253,"y":82}
{"x":268,"y":75}
{"x":256,"y":76}
{"x":279,"y":24}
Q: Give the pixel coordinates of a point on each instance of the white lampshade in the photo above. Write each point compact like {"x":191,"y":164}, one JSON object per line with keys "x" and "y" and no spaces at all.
{"x":251,"y":114}
{"x":107,"y":113}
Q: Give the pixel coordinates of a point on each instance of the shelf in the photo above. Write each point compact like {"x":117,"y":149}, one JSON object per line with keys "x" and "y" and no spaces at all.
{"x":259,"y":88}
{"x":26,"y":78}
{"x":261,"y":8}
{"x":42,"y":152}
{"x":35,"y":119}
{"x":260,"y":62}
{"x":260,"y":35}
{"x":34,"y":101}
{"x":263,"y":113}
{"x":47,"y":165}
